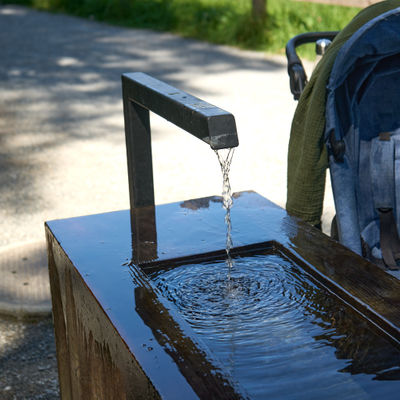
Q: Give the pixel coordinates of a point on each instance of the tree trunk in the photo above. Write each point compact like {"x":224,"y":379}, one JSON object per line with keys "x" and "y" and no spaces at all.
{"x":259,"y":9}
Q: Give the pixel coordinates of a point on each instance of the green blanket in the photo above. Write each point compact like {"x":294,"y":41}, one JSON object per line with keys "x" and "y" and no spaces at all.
{"x":307,"y":156}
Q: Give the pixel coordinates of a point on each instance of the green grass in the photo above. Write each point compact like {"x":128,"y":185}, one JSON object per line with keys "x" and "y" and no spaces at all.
{"x":217,"y":21}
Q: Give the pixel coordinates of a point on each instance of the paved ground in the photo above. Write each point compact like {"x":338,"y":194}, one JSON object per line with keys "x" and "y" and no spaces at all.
{"x":62,"y":150}
{"x":24,"y":283}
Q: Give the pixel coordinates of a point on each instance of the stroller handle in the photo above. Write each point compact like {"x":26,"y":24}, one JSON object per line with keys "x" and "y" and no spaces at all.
{"x":297,"y":74}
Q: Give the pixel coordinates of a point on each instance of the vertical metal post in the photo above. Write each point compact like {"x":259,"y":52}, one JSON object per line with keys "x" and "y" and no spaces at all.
{"x":140,"y":176}
{"x":138,"y":148}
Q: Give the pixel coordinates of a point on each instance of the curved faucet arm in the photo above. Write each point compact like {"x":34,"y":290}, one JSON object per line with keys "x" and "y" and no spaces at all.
{"x":141,"y":94}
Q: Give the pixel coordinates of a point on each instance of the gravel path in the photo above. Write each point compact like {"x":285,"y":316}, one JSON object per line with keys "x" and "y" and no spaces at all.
{"x":28,"y":364}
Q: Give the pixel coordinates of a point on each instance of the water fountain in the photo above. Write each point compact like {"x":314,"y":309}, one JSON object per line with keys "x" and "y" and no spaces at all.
{"x":143,"y":307}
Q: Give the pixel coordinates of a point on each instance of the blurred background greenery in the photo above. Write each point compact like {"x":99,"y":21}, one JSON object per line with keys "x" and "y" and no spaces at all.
{"x":229,"y":22}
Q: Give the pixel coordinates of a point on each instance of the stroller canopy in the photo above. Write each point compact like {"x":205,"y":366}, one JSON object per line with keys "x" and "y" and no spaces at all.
{"x":367,"y":63}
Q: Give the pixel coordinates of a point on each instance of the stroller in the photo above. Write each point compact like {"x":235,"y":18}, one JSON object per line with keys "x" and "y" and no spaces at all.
{"x":348,"y":118}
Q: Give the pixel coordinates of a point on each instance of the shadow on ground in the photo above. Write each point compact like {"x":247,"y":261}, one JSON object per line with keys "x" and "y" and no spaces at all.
{"x":60,"y":79}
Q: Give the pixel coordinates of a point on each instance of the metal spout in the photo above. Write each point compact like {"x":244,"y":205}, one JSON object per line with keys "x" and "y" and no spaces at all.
{"x":141,"y":94}
{"x":203,"y":120}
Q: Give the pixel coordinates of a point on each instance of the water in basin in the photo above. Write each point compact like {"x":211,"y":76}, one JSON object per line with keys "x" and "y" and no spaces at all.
{"x":280,"y":335}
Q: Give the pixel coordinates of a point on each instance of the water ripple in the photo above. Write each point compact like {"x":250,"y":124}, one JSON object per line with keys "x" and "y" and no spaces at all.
{"x":274,"y":329}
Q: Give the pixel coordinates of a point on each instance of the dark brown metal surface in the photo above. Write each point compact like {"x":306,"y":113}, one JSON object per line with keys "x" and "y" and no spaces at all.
{"x":93,"y":361}
{"x":118,"y":338}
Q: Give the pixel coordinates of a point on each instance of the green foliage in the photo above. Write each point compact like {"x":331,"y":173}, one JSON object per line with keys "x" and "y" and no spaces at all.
{"x":290,"y":18}
{"x":219,"y":21}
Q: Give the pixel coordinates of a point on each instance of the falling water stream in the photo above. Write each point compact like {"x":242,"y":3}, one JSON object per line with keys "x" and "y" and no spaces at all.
{"x":225,"y":160}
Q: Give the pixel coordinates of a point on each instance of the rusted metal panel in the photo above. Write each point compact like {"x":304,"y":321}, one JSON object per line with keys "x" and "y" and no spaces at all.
{"x":93,"y":360}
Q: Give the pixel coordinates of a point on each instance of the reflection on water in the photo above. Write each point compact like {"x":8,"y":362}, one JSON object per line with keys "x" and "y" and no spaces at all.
{"x":280,"y":335}
{"x":196,"y":204}
{"x":205,"y":202}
